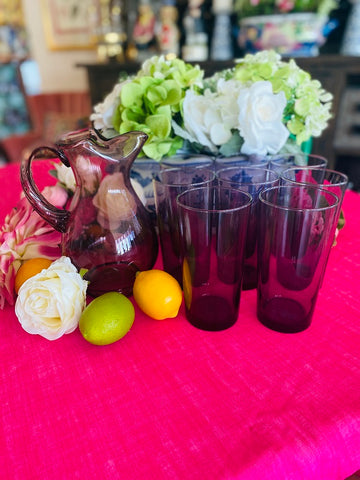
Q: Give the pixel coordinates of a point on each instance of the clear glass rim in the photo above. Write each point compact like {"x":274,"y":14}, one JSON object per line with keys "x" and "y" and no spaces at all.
{"x":345,"y":178}
{"x":280,"y":156}
{"x":299,"y":209}
{"x":181,"y":169}
{"x":266,"y":170}
{"x":214,"y":210}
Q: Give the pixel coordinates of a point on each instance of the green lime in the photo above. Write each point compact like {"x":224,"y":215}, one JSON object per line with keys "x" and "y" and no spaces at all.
{"x":107,"y":318}
{"x":83,"y":271}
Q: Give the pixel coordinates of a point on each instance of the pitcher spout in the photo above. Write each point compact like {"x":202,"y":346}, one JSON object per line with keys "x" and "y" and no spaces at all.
{"x":127,"y":146}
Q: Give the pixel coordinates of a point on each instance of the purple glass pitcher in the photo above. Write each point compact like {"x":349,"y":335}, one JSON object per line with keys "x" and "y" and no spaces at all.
{"x":105,"y":229}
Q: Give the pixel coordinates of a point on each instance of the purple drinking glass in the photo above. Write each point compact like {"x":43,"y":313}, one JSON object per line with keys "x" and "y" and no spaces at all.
{"x":170,"y":183}
{"x":296,"y":229}
{"x":213,"y":226}
{"x":331,"y":180}
{"x":251,"y":180}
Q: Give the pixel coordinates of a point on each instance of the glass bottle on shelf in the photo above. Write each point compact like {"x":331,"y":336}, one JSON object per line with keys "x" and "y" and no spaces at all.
{"x":195,"y":48}
{"x":221,"y":42}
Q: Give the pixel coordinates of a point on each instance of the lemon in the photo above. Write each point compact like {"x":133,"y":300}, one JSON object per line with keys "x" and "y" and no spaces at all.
{"x":107,"y":319}
{"x":157,"y":294}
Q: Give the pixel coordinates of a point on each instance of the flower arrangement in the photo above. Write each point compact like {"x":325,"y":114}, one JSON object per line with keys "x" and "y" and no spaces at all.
{"x":49,"y":303}
{"x":246,"y":8}
{"x":26,"y":235}
{"x":263,"y":105}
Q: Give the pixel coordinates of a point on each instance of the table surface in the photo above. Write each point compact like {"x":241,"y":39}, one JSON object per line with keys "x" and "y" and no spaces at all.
{"x":169,"y":401}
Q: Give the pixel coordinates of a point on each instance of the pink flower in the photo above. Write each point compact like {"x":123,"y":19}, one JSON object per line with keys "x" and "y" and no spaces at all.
{"x":318,"y":224}
{"x":300,"y":198}
{"x":285,"y":5}
{"x":305,"y":176}
{"x":26,"y":235}
{"x":56,"y":195}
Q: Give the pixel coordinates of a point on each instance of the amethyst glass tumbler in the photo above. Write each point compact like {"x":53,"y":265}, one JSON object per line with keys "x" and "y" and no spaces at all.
{"x":296,"y":230}
{"x":172,"y":182}
{"x":252,"y":180}
{"x":213,"y":224}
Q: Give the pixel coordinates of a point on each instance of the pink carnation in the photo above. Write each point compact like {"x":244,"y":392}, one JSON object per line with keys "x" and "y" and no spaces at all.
{"x":26,"y":235}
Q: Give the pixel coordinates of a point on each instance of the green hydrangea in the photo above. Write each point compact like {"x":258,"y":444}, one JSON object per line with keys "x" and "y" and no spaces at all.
{"x":152,"y":99}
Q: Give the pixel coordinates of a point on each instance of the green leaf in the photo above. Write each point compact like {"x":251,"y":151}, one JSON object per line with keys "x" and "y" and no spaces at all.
{"x":233,"y":146}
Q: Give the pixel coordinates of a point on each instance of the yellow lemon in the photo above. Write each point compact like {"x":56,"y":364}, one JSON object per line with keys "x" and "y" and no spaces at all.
{"x":157,"y":294}
{"x":107,"y":319}
{"x":30,"y":268}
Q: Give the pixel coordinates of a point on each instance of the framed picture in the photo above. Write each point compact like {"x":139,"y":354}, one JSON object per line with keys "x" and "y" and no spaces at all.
{"x":69,"y":24}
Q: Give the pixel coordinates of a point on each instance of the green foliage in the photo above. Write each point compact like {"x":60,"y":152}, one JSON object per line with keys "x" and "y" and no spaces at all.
{"x":247,"y":8}
{"x":178,"y":109}
{"x":152,"y":99}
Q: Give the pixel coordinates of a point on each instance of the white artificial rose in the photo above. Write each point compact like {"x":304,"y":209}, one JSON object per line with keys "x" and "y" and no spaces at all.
{"x":211,"y":118}
{"x":104,"y":111}
{"x":197,"y":112}
{"x":50,"y":303}
{"x":260,"y":119}
{"x":228,"y":91}
{"x":114,"y":202}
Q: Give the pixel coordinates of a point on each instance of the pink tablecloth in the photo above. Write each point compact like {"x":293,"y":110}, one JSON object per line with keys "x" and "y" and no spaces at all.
{"x":171,"y":402}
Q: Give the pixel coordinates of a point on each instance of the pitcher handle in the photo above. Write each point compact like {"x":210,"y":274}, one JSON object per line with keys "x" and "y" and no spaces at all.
{"x":55,"y":216}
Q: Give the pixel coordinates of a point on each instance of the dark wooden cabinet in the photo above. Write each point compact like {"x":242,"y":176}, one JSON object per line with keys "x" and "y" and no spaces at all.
{"x":338,"y":74}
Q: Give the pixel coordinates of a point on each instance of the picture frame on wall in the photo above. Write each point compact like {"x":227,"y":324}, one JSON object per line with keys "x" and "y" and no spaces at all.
{"x":69,"y":24}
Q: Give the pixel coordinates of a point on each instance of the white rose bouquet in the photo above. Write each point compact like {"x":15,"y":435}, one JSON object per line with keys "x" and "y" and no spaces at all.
{"x":263,"y":105}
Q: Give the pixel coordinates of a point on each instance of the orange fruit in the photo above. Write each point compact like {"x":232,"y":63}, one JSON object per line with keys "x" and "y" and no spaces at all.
{"x":157,"y":294}
{"x":30,"y":268}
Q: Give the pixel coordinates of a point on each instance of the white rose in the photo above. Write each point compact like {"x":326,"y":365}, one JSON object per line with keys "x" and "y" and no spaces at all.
{"x":114,"y":202}
{"x":50,"y":303}
{"x":228,"y":90}
{"x":210,"y":118}
{"x":199,"y":112}
{"x":260,"y":119}
{"x":104,"y":111}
